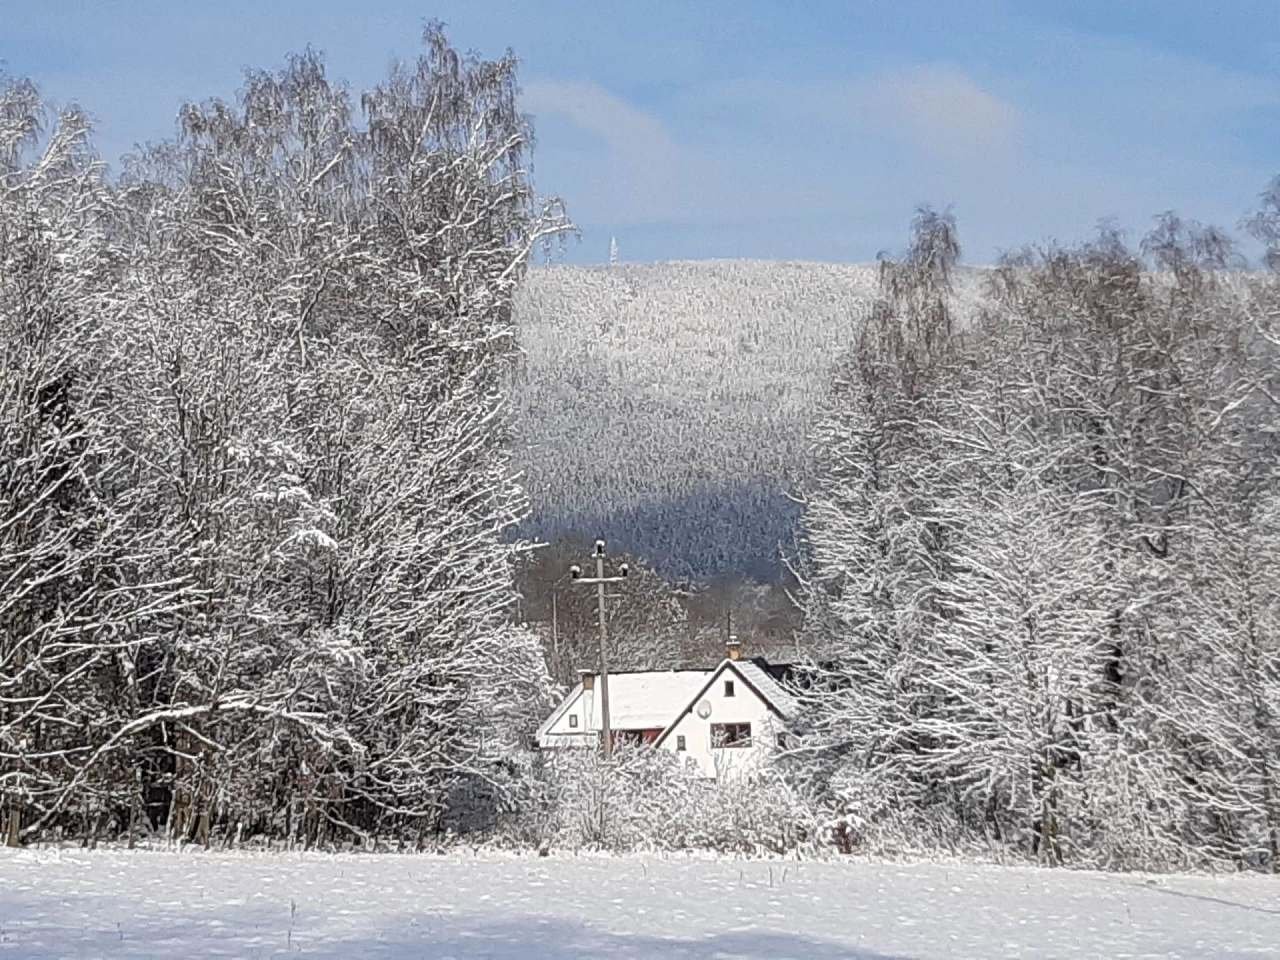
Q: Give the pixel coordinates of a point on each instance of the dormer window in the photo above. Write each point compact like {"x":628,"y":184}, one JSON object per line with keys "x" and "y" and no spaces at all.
{"x":728,"y":688}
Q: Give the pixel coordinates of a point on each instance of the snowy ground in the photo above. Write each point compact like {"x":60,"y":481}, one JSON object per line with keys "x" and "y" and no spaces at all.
{"x":69,"y":904}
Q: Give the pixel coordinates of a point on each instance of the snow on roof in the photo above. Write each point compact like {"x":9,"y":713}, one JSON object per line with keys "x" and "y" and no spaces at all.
{"x":639,"y":700}
{"x":768,"y":687}
{"x":648,"y":700}
{"x":656,"y":699}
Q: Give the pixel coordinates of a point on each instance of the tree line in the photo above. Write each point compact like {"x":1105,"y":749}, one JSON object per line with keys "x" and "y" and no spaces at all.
{"x":1043,"y":555}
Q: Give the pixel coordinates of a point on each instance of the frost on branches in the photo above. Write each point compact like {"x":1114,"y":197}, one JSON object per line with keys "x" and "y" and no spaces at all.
{"x":82,"y":579}
{"x":1043,"y":559}
{"x":255,"y":476}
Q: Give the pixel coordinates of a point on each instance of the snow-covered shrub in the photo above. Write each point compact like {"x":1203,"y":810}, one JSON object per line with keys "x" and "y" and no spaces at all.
{"x":644,"y":799}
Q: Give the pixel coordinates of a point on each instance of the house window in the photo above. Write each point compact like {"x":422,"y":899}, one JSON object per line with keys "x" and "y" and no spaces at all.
{"x":680,"y":742}
{"x":573,"y":719}
{"x":728,"y":688}
{"x":731,"y":734}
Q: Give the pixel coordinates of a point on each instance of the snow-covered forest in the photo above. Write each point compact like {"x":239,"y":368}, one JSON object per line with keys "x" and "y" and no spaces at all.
{"x":283,"y":409}
{"x":668,"y":406}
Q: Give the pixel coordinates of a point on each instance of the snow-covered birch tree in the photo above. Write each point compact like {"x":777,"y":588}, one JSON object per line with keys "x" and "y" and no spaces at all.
{"x":1083,"y":606}
{"x":81,"y":585}
{"x":305,"y":319}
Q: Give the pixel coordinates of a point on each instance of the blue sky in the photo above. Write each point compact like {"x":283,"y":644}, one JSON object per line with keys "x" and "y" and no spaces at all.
{"x":772,"y":130}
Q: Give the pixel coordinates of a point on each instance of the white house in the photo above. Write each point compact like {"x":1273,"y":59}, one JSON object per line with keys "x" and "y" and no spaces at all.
{"x":723,"y":721}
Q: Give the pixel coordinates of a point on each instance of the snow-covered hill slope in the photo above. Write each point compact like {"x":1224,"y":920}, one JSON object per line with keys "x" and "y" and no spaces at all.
{"x":160,"y":905}
{"x":666,"y":405}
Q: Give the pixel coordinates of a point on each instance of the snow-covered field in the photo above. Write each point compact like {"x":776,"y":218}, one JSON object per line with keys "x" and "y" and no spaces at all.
{"x":69,"y":904}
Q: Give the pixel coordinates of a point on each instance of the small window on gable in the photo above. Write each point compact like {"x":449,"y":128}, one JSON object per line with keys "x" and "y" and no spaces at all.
{"x":728,"y":688}
{"x":680,"y":742}
{"x":573,"y":719}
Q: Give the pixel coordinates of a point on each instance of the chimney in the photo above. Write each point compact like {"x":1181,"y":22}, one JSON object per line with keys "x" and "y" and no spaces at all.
{"x":733,"y":648}
{"x":588,"y":679}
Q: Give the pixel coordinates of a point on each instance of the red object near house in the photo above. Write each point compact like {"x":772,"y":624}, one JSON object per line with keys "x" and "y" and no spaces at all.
{"x":634,"y":737}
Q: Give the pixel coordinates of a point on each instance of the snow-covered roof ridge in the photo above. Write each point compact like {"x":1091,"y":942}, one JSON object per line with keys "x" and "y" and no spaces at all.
{"x":767,"y":687}
{"x":648,"y":700}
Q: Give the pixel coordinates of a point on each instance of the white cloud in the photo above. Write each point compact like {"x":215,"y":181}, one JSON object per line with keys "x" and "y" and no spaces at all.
{"x":593,"y":108}
{"x":633,"y":172}
{"x":943,"y":110}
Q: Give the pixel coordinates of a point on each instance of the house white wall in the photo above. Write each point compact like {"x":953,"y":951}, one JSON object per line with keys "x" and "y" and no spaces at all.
{"x":745,"y":706}
{"x":668,"y":701}
{"x":575,"y":732}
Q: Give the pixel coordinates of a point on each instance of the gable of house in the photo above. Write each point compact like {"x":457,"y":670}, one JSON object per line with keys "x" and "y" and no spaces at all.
{"x":732,"y":724}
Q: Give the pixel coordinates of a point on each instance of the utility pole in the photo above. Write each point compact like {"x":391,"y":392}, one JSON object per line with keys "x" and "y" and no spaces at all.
{"x":600,"y":580}
{"x":555,"y":629}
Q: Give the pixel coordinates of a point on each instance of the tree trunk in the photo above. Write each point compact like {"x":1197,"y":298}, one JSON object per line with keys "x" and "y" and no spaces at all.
{"x":135,"y":807}
{"x":13,"y":833}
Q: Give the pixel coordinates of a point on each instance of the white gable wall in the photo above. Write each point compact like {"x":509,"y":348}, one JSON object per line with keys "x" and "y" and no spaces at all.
{"x":565,"y":732}
{"x":745,"y":706}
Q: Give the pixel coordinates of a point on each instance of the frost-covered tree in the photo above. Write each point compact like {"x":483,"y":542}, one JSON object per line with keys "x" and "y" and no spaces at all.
{"x":877,"y":531}
{"x":309,"y":337}
{"x":1043,"y":584}
{"x":80,"y":580}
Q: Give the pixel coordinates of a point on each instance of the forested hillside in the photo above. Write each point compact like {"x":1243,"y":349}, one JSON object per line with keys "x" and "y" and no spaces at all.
{"x":666,"y":406}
